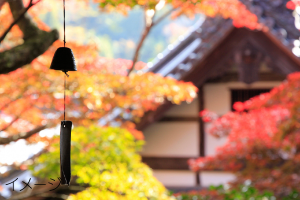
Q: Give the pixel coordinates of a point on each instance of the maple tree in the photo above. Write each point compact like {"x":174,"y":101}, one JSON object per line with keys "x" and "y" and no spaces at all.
{"x":96,"y":89}
{"x":263,"y":143}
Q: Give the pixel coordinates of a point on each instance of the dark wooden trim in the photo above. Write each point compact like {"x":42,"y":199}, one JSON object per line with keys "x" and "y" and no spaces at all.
{"x":184,"y":189}
{"x":198,"y":181}
{"x":233,"y":77}
{"x":201,"y":123}
{"x":167,"y":163}
{"x":153,"y":116}
{"x":201,"y":129}
{"x":178,"y":119}
{"x":271,"y":77}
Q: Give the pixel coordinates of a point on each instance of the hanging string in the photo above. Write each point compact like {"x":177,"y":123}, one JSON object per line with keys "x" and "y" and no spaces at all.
{"x":65,"y":71}
{"x":65,"y":100}
{"x":64,"y":24}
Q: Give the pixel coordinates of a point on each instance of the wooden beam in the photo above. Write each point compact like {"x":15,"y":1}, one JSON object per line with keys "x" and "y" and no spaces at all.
{"x":201,"y":123}
{"x":153,"y":116}
{"x":178,"y":119}
{"x":167,"y":163}
{"x":201,"y":134}
{"x":198,"y":181}
{"x":233,"y":77}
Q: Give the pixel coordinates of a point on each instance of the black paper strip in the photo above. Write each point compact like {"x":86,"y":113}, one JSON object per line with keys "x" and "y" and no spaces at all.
{"x":65,"y":152}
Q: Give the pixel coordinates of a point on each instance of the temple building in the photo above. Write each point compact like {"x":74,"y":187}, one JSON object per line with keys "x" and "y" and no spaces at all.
{"x":227,"y":64}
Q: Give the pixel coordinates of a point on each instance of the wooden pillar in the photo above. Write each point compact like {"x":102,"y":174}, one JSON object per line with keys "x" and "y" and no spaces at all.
{"x":201,"y":129}
{"x":201,"y":123}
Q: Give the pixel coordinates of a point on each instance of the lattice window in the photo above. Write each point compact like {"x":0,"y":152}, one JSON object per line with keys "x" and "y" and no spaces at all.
{"x":245,"y":94}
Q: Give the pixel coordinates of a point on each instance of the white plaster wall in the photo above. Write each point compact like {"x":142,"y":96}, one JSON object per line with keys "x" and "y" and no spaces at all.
{"x":217,"y":98}
{"x":208,"y":178}
{"x":212,"y":143}
{"x":184,"y":109}
{"x":175,"y":178}
{"x":171,"y":139}
{"x":180,"y":139}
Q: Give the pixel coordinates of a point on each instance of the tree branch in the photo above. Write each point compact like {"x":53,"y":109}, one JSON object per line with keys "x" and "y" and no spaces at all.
{"x":13,"y":121}
{"x":138,"y":48}
{"x":25,"y":53}
{"x":144,"y":35}
{"x":7,"y":104}
{"x":23,"y":19}
{"x":2,"y":3}
{"x":36,"y":41}
{"x":163,"y":16}
{"x":17,"y":19}
{"x":141,"y":42}
{"x":16,"y":99}
{"x":23,"y":135}
{"x":8,"y":125}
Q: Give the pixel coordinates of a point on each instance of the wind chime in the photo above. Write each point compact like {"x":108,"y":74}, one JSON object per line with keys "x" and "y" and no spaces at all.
{"x":64,"y":60}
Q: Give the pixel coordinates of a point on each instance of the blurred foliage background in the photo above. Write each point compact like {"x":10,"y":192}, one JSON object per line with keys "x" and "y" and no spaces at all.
{"x":114,"y":32}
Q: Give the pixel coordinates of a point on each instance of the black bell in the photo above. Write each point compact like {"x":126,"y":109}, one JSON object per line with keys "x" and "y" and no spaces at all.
{"x":63,"y":60}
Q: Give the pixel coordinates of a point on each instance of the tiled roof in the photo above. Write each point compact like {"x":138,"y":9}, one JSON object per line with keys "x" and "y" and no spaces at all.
{"x":275,"y":15}
{"x":203,"y":37}
{"x":198,"y":42}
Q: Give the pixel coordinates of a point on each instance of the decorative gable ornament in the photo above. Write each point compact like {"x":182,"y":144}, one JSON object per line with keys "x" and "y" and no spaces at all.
{"x":64,"y":61}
